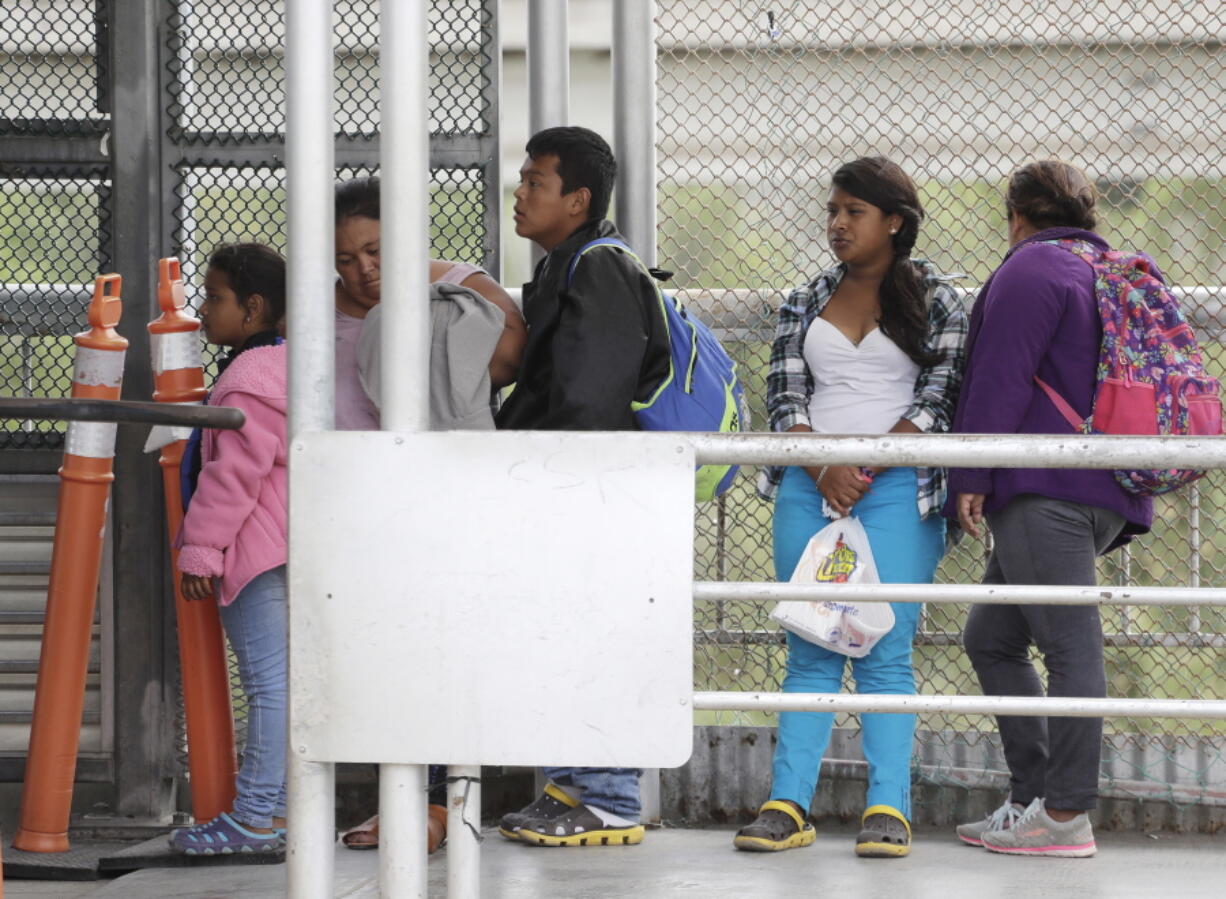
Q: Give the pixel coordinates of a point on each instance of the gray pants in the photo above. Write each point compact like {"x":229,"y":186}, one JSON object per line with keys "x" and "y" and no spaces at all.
{"x":1045,"y":541}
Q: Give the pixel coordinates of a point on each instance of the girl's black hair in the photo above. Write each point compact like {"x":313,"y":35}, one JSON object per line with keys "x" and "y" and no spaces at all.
{"x":904,"y":310}
{"x":357,"y":197}
{"x":253,"y":268}
{"x":1052,"y":194}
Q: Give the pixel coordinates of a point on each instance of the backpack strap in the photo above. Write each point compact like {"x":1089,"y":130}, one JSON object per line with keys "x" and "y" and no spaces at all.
{"x":593,"y":244}
{"x":614,"y":242}
{"x":1069,"y":413}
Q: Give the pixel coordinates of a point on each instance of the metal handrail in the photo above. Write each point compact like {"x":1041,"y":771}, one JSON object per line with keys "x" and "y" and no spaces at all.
{"x":122,"y":411}
{"x":967,"y":451}
{"x":1058,"y":706}
{"x":985,"y":594}
{"x":961,"y":450}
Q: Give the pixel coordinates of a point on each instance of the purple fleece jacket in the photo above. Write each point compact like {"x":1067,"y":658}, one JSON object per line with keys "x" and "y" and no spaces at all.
{"x":1036,"y":315}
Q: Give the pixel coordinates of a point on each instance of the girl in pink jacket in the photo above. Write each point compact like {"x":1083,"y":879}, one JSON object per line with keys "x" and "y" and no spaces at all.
{"x":232,"y":545}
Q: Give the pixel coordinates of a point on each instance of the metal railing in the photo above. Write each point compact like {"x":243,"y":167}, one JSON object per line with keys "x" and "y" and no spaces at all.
{"x":971,"y":451}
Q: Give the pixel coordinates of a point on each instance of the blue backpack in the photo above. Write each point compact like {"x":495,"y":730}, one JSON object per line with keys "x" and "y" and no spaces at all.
{"x":700,"y":392}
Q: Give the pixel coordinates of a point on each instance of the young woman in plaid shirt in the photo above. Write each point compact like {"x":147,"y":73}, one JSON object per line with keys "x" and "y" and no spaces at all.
{"x":872,"y":345}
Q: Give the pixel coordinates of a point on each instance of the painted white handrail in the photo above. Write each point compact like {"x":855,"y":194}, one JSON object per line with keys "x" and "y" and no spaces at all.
{"x":987,"y":594}
{"x":961,"y":450}
{"x":1064,"y":707}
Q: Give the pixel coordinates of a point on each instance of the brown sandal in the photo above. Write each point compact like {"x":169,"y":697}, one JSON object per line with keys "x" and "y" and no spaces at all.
{"x":366,"y":834}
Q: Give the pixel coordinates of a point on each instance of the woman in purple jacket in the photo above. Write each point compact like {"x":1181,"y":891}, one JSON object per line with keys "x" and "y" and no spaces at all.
{"x":1037,"y":317}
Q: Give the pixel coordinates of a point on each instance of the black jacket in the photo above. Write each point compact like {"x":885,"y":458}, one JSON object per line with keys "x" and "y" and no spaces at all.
{"x":593,"y":347}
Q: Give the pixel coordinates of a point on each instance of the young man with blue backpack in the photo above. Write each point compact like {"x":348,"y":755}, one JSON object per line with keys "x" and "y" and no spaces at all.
{"x":596,"y":339}
{"x":607,"y":351}
{"x":597,"y":344}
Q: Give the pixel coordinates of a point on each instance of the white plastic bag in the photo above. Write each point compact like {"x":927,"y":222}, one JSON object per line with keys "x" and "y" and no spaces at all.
{"x":837,"y":554}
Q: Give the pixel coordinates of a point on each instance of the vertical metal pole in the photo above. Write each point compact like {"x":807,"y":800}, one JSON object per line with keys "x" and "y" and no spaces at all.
{"x":309,"y":177}
{"x":634,"y":123}
{"x":405,"y":167}
{"x":634,"y":145}
{"x":144,"y":687}
{"x":463,"y":829}
{"x":548,"y":71}
{"x":548,"y":64}
{"x":1194,"y":552}
{"x":491,"y":96}
{"x":27,"y":375}
{"x":402,"y":829}
{"x":1124,"y":613}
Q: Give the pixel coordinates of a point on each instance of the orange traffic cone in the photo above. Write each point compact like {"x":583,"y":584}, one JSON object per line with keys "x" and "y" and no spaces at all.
{"x":178,"y":372}
{"x":85,"y":485}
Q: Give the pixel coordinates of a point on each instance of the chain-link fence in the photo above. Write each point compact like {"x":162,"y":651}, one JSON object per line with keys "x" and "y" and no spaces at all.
{"x":225,"y":89}
{"x":52,"y":88}
{"x":759,"y":102}
{"x":221,"y":124}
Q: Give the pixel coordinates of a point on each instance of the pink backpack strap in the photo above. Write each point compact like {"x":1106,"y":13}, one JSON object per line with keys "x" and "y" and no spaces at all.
{"x":1069,"y":413}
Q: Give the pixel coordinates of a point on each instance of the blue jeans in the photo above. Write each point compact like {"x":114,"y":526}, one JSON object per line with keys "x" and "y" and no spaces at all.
{"x":906,"y":550}
{"x":257,"y":625}
{"x":615,"y":790}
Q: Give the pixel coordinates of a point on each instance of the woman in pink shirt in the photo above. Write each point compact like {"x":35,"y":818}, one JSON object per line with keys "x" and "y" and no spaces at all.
{"x":359,"y":290}
{"x":232,"y":545}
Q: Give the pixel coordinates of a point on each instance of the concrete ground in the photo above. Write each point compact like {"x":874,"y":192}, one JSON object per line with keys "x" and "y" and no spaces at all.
{"x":702,"y":863}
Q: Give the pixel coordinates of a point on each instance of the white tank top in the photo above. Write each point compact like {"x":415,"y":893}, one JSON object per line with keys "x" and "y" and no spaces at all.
{"x":862,"y":389}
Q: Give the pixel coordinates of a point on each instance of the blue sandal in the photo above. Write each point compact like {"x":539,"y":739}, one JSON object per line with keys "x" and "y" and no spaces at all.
{"x":224,"y":836}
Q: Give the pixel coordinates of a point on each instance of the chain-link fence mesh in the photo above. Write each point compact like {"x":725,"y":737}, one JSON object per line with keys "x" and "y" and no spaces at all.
{"x":54,"y":220}
{"x":759,"y":102}
{"x":51,"y":80}
{"x":56,"y":228}
{"x":223,"y":91}
{"x":225,"y":87}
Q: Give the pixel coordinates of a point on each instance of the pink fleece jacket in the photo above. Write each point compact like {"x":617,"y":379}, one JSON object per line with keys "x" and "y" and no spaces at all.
{"x":236,"y":523}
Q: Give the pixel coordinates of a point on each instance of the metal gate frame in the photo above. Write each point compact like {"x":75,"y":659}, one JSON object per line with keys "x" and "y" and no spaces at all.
{"x":140,"y":148}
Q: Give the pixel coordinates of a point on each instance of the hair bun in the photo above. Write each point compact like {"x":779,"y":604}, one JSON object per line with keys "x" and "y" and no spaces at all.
{"x":1051,"y":194}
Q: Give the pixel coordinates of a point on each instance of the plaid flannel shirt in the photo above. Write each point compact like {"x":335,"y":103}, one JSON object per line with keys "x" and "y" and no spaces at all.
{"x":789,"y":384}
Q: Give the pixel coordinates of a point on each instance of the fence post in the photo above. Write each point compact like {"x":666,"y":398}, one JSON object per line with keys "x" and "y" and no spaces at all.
{"x":309,"y":176}
{"x":548,"y":73}
{"x":178,"y":374}
{"x":80,"y":521}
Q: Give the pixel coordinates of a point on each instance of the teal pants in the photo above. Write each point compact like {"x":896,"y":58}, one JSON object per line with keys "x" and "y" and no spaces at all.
{"x":906,"y":550}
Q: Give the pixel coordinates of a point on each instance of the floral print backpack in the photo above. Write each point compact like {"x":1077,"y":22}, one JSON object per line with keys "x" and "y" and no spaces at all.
{"x":1151,"y":378}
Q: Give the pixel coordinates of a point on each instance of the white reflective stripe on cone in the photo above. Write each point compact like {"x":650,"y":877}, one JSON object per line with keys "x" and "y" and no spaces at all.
{"x":91,"y":439}
{"x":98,"y":368}
{"x":175,"y":351}
{"x":163,"y":435}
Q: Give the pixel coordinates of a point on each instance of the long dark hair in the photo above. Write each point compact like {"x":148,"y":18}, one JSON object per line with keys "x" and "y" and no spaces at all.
{"x":904,"y":312}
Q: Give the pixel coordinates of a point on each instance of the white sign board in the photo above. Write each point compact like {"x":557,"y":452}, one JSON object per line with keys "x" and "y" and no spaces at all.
{"x":491,"y":598}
